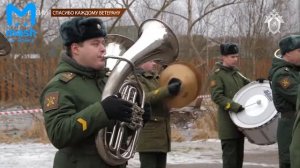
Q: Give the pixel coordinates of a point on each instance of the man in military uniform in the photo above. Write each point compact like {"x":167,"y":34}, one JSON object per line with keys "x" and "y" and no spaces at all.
{"x":71,"y":101}
{"x":225,"y":81}
{"x":155,"y":137}
{"x":284,"y":75}
{"x":295,"y":144}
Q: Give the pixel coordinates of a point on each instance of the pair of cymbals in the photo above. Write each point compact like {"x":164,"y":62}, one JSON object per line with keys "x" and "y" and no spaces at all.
{"x":190,"y":83}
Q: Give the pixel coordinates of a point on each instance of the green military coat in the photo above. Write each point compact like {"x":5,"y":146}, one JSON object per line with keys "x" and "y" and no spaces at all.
{"x":224,"y":83}
{"x":73,"y":114}
{"x":156,"y":134}
{"x":285,"y":80}
{"x":295,"y":143}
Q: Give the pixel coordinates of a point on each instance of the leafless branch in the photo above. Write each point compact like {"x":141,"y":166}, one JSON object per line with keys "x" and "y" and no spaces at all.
{"x":127,"y":6}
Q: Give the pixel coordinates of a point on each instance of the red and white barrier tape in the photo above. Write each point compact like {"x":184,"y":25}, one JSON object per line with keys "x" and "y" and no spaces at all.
{"x":18,"y":112}
{"x":31,"y":111}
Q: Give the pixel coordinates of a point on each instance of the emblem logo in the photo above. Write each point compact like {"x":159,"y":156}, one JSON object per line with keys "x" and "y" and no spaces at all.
{"x":285,"y":83}
{"x":51,"y":101}
{"x":274,"y":21}
{"x":17,"y":32}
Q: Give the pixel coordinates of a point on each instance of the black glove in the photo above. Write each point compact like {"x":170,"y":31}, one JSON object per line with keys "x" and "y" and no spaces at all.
{"x":117,"y":109}
{"x":147,"y":113}
{"x":260,"y":80}
{"x":241,"y":108}
{"x":174,"y":86}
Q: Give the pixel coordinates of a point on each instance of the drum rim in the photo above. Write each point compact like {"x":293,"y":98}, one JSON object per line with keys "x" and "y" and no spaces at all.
{"x":240,"y":124}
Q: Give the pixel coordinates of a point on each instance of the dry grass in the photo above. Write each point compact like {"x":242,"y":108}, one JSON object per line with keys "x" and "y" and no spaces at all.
{"x":203,"y":126}
{"x":36,"y":133}
{"x":197,"y":124}
{"x":206,"y":127}
{"x":176,"y":135}
{"x":5,"y":138}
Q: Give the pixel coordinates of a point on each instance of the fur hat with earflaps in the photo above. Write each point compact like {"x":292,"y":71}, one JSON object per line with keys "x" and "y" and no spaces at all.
{"x":80,"y":29}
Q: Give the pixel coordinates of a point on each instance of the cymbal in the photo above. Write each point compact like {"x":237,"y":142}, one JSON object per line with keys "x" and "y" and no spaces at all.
{"x":190,"y":83}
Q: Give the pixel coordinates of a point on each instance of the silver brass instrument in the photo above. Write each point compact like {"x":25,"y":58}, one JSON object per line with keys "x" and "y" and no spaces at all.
{"x":117,"y":45}
{"x":156,"y":42}
{"x":5,"y":47}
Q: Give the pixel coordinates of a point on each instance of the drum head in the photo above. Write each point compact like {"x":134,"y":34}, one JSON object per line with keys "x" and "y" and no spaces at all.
{"x":257,"y":100}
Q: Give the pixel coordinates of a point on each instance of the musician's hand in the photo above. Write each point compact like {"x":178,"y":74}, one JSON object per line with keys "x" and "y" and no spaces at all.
{"x":260,"y":80}
{"x":117,"y":109}
{"x":147,"y":113}
{"x":241,"y":108}
{"x":174,"y":86}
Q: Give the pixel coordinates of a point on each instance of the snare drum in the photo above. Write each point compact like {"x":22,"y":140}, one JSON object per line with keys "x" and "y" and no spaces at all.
{"x":259,"y":120}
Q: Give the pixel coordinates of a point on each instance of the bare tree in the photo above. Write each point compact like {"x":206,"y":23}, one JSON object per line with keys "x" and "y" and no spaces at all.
{"x":193,"y":19}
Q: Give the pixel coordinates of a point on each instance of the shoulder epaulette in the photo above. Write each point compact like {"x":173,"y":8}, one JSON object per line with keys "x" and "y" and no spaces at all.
{"x":67,"y":76}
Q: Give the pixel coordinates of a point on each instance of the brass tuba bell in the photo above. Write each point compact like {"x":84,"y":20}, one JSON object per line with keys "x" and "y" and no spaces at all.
{"x":116,"y":45}
{"x":156,"y":42}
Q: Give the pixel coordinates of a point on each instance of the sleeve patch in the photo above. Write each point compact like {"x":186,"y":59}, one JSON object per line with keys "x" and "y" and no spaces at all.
{"x":51,"y":101}
{"x":285,"y":82}
{"x":227,"y":106}
{"x":83,"y":123}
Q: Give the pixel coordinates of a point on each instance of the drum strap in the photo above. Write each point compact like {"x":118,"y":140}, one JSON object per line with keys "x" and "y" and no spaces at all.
{"x":243,"y":76}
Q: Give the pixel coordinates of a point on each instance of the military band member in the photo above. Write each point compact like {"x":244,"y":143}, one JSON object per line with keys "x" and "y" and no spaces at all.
{"x":285,"y":78}
{"x":71,"y":101}
{"x":225,"y":81}
{"x":295,"y":144}
{"x":155,"y":137}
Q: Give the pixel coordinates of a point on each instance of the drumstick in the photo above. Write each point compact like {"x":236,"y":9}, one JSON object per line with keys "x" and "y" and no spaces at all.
{"x":258,"y":102}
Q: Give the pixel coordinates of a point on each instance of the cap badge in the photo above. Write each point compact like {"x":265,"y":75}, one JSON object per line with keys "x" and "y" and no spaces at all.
{"x":99,"y":26}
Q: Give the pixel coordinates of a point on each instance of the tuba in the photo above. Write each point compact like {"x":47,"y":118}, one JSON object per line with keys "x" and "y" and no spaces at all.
{"x":116,"y":46}
{"x":156,"y":41}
